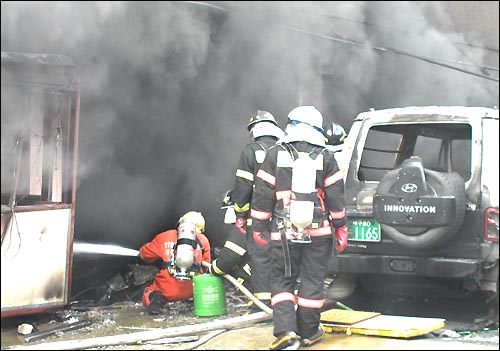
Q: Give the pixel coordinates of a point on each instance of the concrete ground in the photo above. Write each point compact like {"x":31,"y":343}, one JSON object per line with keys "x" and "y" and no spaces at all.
{"x":124,"y":320}
{"x":129,"y":320}
{"x":259,"y":338}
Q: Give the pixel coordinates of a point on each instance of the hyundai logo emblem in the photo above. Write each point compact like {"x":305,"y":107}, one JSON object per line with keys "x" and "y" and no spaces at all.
{"x":409,"y":188}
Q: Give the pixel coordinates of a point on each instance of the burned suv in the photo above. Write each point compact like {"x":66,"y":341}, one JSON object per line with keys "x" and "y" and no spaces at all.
{"x":421,"y":187}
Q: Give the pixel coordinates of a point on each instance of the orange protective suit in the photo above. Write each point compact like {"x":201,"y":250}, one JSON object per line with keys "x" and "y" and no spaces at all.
{"x":162,"y":247}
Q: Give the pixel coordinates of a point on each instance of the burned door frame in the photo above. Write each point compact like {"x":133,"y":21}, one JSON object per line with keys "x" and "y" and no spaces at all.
{"x":40,"y":122}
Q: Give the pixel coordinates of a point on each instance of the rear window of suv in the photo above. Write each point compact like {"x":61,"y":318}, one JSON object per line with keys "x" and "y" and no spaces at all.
{"x":443,"y":147}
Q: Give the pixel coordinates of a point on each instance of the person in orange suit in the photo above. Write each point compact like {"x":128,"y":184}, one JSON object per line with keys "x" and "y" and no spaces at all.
{"x":179,"y":253}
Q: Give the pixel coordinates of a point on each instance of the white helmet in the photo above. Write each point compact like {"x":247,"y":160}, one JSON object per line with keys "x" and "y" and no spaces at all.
{"x":308,"y":115}
{"x":194,"y":217}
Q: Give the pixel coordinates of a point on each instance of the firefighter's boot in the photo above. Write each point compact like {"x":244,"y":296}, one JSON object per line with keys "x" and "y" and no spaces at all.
{"x":155,"y":302}
{"x":315,"y":338}
{"x":287,"y":341}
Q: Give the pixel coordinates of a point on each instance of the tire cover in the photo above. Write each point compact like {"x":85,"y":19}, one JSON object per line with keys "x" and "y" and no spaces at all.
{"x":425,"y":237}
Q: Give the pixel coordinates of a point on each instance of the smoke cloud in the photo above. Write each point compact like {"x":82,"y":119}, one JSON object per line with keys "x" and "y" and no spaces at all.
{"x":168,"y":88}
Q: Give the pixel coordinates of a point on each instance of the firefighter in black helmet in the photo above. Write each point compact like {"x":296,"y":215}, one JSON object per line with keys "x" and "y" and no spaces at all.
{"x":240,"y":246}
{"x":335,"y":135}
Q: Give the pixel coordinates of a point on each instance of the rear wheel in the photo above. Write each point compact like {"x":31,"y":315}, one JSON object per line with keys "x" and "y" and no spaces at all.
{"x":342,"y":286}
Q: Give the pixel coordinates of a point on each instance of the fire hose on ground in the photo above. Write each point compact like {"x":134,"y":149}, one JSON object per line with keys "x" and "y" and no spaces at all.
{"x":259,"y":303}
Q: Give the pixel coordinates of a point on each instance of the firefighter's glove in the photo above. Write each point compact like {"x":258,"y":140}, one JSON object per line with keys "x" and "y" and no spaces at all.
{"x":241,"y":224}
{"x":341,"y":236}
{"x":259,"y":238}
{"x":213,"y":270}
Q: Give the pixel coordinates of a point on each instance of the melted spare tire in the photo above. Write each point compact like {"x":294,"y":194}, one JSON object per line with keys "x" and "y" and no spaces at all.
{"x":420,"y":208}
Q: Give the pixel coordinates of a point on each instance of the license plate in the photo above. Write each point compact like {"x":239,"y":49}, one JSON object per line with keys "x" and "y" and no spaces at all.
{"x":364,"y":230}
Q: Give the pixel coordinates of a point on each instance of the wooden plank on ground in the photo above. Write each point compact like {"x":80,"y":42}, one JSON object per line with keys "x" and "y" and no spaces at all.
{"x":390,"y":326}
{"x":338,"y":316}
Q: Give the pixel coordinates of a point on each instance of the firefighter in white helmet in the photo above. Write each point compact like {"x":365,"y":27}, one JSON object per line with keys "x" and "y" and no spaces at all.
{"x":179,"y":253}
{"x":299,"y":200}
{"x":240,"y":248}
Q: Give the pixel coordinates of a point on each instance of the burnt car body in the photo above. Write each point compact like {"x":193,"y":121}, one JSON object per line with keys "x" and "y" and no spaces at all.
{"x":421,"y":187}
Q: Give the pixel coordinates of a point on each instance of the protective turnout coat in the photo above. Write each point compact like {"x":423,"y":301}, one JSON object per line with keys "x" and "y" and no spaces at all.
{"x":251,"y":158}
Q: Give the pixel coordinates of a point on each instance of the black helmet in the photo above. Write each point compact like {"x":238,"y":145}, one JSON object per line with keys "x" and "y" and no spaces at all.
{"x":334,"y":133}
{"x":261,"y":116}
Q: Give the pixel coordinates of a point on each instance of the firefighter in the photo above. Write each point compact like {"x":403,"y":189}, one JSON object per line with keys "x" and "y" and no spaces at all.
{"x":233,"y":258}
{"x":179,"y":253}
{"x":335,"y":136}
{"x":299,"y":200}
{"x":240,"y":248}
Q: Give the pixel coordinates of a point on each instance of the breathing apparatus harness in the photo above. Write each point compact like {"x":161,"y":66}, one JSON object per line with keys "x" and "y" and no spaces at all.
{"x":176,"y":268}
{"x":182,"y":264}
{"x":302,"y":212}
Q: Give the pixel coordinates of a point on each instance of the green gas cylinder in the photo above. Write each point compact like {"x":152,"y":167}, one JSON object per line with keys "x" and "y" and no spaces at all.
{"x":209,"y":295}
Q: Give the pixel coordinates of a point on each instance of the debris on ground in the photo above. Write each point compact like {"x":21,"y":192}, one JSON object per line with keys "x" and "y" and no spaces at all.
{"x":84,"y":319}
{"x":25,"y":329}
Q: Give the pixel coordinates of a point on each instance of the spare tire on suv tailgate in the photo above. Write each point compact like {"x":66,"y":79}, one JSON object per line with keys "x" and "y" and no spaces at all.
{"x":419,"y":208}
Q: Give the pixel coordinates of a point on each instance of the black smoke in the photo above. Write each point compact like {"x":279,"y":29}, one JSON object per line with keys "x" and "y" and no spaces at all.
{"x":168,"y":87}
